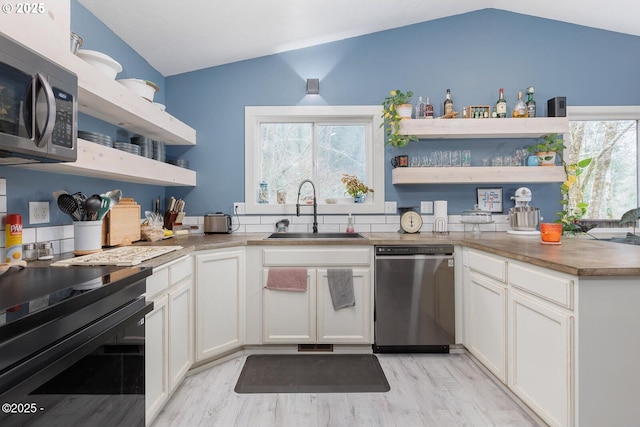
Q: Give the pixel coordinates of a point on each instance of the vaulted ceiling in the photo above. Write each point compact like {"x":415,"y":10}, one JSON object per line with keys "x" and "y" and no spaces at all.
{"x":180,"y":36}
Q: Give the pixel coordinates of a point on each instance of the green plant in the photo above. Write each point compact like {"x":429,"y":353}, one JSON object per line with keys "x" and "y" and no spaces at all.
{"x":570,"y":215}
{"x":391,"y":118}
{"x":354,"y":187}
{"x":551,"y":142}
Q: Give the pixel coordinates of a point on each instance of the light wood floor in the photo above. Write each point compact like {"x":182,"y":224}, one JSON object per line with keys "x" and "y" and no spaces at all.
{"x":426,"y":390}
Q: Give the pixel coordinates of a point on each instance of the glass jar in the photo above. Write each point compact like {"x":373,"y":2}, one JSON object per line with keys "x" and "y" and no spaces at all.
{"x":29,"y":252}
{"x":282,"y":196}
{"x":263,"y":193}
{"x":45,"y":250}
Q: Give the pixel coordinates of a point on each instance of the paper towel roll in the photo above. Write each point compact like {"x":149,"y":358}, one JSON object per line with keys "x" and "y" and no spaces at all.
{"x":440,"y":217}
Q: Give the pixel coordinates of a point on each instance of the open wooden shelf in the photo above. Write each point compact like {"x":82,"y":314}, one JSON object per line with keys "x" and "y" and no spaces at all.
{"x":484,"y":128}
{"x":98,"y":161}
{"x":477,"y":175}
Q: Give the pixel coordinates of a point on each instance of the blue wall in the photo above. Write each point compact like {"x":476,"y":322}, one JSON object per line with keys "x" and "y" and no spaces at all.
{"x":474,"y":54}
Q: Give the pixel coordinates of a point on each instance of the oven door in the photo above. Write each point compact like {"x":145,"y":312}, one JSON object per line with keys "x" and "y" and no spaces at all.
{"x":98,"y":381}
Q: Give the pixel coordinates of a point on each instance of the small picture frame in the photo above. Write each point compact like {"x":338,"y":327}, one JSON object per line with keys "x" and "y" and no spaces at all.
{"x":489,"y":199}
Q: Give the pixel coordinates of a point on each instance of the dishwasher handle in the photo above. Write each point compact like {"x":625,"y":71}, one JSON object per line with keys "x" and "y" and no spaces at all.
{"x":415,"y":257}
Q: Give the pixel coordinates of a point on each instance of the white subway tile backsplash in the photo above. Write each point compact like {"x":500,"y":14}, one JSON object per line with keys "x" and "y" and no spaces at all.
{"x":3,"y":187}
{"x":384,"y":228}
{"x":3,"y":204}
{"x":29,"y":235}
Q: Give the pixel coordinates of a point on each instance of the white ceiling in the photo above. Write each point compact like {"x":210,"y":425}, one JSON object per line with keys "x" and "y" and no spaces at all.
{"x":180,"y":36}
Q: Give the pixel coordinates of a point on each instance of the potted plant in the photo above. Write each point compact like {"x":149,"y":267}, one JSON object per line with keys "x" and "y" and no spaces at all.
{"x":396,"y":107}
{"x":548,"y":148}
{"x":355,"y":188}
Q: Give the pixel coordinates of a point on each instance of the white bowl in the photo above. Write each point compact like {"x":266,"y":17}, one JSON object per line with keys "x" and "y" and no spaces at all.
{"x":140,"y":87}
{"x":105,"y":64}
{"x":161,"y":107}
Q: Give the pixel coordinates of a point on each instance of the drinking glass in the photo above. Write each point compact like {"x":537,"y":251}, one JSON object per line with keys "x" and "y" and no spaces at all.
{"x":414,"y":161}
{"x":496,"y":161}
{"x":456,"y":158}
{"x":446,"y":158}
{"x":424,"y":161}
{"x":466,"y":157}
{"x":435,"y":159}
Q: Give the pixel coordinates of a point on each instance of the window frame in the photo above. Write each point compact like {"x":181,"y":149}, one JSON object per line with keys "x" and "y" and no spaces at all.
{"x":368,"y":114}
{"x":609,"y":112}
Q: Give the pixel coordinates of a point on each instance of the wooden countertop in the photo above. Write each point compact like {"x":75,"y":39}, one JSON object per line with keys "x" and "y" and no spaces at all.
{"x":577,"y":256}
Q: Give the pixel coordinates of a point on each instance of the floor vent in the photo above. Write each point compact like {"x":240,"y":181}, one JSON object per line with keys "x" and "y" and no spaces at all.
{"x":315,"y":347}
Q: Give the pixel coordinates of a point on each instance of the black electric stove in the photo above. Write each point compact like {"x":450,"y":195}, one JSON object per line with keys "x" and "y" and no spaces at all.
{"x":73,"y":333}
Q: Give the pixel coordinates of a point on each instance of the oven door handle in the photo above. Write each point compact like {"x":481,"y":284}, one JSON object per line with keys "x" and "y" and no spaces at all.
{"x":29,"y":374}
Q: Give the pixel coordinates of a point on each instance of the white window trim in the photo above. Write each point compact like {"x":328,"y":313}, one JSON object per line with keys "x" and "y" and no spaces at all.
{"x":375,"y":156}
{"x":608,"y":112}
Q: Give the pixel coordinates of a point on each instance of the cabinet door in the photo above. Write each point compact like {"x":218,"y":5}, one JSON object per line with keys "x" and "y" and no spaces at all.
{"x":287,"y":316}
{"x":180,"y":332}
{"x":487,"y":322}
{"x":156,"y":358}
{"x":350,"y":324}
{"x":219,"y":302}
{"x":539,"y":357}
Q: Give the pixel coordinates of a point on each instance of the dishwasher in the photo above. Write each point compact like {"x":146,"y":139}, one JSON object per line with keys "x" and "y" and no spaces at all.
{"x":414,"y":299}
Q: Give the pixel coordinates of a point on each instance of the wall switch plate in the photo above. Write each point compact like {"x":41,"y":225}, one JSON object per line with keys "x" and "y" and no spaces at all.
{"x":390,"y":207}
{"x":238,"y":208}
{"x":39,"y":212}
{"x":426,"y":207}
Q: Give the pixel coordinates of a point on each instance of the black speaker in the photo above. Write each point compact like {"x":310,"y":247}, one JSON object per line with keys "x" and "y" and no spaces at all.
{"x":557,"y":107}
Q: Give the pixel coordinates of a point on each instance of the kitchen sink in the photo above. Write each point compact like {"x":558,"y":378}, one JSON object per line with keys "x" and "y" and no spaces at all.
{"x":315,"y":236}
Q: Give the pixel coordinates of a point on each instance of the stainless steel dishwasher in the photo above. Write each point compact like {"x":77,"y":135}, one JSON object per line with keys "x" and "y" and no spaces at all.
{"x":414,"y":299}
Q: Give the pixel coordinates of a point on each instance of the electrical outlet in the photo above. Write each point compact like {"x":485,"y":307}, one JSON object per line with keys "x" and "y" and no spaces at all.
{"x":426,"y":207}
{"x":238,"y":208}
{"x":390,"y":207}
{"x":39,"y":212}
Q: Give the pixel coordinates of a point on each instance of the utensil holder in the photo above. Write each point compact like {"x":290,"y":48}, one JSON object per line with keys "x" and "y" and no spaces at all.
{"x":87,"y":237}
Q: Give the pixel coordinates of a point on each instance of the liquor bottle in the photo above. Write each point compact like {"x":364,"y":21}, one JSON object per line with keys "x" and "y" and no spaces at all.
{"x":531,"y":104}
{"x":520,"y":110}
{"x":448,"y":103}
{"x":494,"y":114}
{"x":428,"y":109}
{"x":501,"y":105}
{"x":420,"y":106}
{"x":464,"y":112}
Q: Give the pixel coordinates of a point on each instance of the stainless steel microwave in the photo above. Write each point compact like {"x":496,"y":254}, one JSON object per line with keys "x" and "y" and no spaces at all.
{"x":38,"y":107}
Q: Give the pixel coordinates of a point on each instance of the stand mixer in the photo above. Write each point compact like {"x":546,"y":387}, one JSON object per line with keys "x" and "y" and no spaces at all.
{"x":524,"y":219}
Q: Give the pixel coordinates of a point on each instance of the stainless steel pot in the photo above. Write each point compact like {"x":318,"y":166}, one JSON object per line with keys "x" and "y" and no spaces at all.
{"x":524,"y":218}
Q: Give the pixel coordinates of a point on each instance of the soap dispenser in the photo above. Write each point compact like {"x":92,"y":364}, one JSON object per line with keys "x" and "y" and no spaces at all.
{"x":350,"y":228}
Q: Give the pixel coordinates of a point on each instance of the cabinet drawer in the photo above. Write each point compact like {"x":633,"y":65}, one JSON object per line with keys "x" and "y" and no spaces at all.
{"x":488,"y":265}
{"x":552,"y":286}
{"x":158,"y":282}
{"x":180,"y":270}
{"x":326,"y":257}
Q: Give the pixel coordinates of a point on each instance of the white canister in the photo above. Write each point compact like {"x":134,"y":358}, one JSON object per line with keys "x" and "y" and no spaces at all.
{"x":440,"y":216}
{"x":87,"y":237}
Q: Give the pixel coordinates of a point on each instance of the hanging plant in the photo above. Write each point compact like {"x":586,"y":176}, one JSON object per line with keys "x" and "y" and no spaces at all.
{"x":392,"y":118}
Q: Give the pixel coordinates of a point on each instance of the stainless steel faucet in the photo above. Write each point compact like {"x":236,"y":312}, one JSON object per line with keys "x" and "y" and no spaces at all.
{"x":315,"y":204}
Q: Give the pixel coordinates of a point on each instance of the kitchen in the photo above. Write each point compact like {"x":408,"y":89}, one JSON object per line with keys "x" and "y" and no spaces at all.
{"x":213,"y":100}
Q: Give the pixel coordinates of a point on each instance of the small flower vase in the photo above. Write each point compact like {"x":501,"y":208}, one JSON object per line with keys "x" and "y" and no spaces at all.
{"x":405,"y":110}
{"x":360,"y":198}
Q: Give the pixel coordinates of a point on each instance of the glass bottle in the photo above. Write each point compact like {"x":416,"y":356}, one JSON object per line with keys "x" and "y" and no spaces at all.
{"x":531,"y":104}
{"x":501,"y":105}
{"x":494,"y":114}
{"x":520,"y":110}
{"x":350,"y":227}
{"x":428,"y":109}
{"x":420,"y":106}
{"x":448,"y":103}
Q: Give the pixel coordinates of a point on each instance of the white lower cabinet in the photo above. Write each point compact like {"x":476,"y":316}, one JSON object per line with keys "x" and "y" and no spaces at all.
{"x":290,"y":317}
{"x":540,"y":353}
{"x":487,"y":323}
{"x":220,"y":301}
{"x":156,"y":358}
{"x":168,"y":332}
{"x":309,"y":317}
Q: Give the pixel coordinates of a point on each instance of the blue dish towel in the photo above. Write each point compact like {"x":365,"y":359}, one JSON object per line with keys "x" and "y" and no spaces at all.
{"x":341,"y":287}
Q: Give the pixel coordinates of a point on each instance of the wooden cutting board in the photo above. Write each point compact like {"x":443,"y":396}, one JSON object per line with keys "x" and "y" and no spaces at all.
{"x":121,"y":225}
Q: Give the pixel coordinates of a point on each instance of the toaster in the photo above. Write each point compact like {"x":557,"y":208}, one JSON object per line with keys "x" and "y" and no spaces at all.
{"x":217,"y":223}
